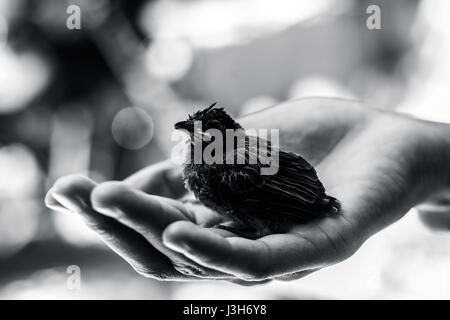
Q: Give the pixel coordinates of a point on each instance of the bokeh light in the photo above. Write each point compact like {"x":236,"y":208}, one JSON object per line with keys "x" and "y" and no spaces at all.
{"x":19,"y":221}
{"x":3,"y":30}
{"x":22,"y":77}
{"x":215,"y":23}
{"x":169,"y":59}
{"x":319,"y":86}
{"x":19,"y":172}
{"x":132,"y":128}
{"x":73,"y":230}
{"x":70,"y":142}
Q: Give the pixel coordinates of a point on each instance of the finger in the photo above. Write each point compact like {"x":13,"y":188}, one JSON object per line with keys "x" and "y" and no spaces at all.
{"x":268,"y":257}
{"x":148,"y":215}
{"x":69,"y":190}
{"x":435,"y":217}
{"x":73,"y":192}
{"x":163,"y":179}
{"x":435,"y":211}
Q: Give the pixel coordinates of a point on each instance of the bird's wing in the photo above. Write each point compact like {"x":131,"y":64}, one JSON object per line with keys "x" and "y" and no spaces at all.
{"x":296,"y":179}
{"x":294,"y":188}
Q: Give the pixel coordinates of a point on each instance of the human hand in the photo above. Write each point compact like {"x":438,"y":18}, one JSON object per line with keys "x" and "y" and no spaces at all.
{"x":130,"y":217}
{"x":378,"y":164}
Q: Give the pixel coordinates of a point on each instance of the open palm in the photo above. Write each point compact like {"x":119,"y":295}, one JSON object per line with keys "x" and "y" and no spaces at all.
{"x":378,"y":164}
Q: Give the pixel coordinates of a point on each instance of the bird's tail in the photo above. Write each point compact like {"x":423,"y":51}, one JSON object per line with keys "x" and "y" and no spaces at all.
{"x":331,"y":205}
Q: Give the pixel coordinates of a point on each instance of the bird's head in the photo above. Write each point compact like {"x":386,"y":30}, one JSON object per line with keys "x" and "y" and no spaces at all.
{"x":209,"y":118}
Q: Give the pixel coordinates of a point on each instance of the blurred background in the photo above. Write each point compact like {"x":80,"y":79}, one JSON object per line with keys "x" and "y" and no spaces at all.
{"x":102,"y":100}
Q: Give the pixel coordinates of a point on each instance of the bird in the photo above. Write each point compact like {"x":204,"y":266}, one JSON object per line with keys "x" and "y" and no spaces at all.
{"x":255,"y":204}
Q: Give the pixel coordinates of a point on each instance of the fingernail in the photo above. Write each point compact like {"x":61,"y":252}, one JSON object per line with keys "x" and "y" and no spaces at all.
{"x":71,"y":205}
{"x":54,"y":205}
{"x":58,"y":208}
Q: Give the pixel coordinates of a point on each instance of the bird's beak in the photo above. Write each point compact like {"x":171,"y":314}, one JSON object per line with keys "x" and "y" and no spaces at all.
{"x":181,"y":125}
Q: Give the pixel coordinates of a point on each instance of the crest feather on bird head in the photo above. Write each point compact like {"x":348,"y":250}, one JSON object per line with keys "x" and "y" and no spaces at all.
{"x":214,"y":117}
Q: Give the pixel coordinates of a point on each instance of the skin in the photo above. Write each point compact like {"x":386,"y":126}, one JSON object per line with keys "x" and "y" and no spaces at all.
{"x":379,"y":164}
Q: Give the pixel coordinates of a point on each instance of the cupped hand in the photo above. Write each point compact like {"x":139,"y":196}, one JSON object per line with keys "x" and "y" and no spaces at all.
{"x":378,"y":164}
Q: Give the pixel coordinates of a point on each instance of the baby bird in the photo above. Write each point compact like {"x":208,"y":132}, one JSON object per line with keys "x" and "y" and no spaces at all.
{"x":257,"y":204}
